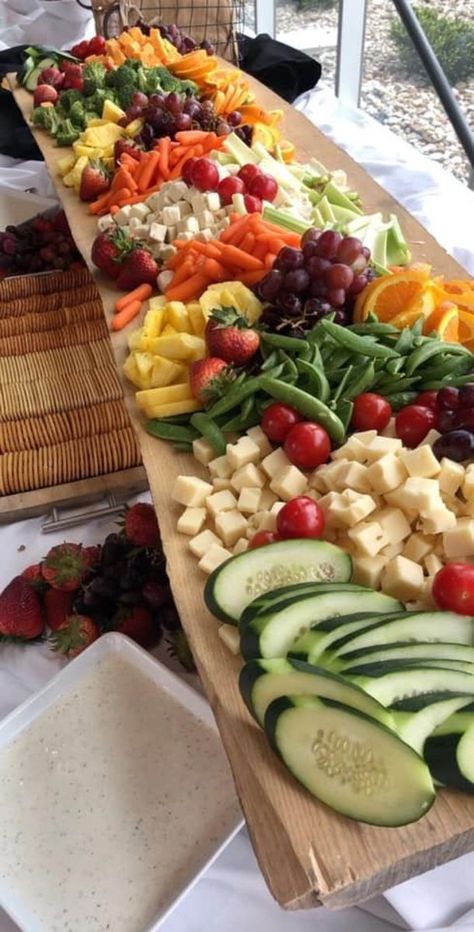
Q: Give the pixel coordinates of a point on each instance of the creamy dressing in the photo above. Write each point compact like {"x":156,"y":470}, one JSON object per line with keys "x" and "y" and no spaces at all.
{"x":109,"y":803}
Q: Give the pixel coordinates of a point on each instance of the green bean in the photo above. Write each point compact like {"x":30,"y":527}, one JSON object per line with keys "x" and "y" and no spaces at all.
{"x":310,"y":407}
{"x":394,"y":384}
{"x":270,"y":361}
{"x":356,"y":344}
{"x":236,"y":394}
{"x":342,"y":384}
{"x":453,"y":365}
{"x":422,"y":353}
{"x":248,"y":416}
{"x":290,"y":372}
{"x":176,"y":419}
{"x":394,"y":365}
{"x":336,"y":357}
{"x":376,"y":329}
{"x":183,"y":447}
{"x":400,"y":399}
{"x":404,"y":343}
{"x":362,"y":380}
{"x":210,"y":431}
{"x":280,"y":341}
{"x":417,"y":327}
{"x":344,"y":412}
{"x":166,"y":431}
{"x":317,"y":383}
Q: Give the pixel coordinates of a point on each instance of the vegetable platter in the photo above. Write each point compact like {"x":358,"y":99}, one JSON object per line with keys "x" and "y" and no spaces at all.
{"x":308,"y":853}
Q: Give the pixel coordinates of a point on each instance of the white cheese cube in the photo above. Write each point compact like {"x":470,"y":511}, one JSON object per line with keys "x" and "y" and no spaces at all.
{"x":420,"y":462}
{"x":191,"y":521}
{"x":177,"y":190}
{"x":172,"y":233}
{"x":391,"y":550}
{"x":105,"y":223}
{"x":230,"y":525}
{"x":387,"y":473}
{"x":200,"y":544}
{"x":394,"y":525}
{"x":249,"y":500}
{"x":420,"y":494}
{"x":260,"y":438}
{"x":459,"y":542}
{"x":170,"y":216}
{"x":191,"y":491}
{"x":212,"y":201}
{"x":368,"y":536}
{"x":330,"y":503}
{"x":140,"y":230}
{"x":203,"y":452}
{"x":314,"y":494}
{"x":431,"y":436}
{"x":276,"y":508}
{"x":243,"y":452}
{"x":220,"y":467}
{"x":229,"y":634}
{"x":184,"y":234}
{"x":185,"y":209}
{"x":438,"y":520}
{"x":268,"y":498}
{"x":418,"y":546}
{"x":397,"y":499}
{"x":248,"y":475}
{"x":317,"y":481}
{"x":241,"y":545}
{"x":213,"y":558}
{"x":133,"y":223}
{"x":203,"y":236}
{"x":191,"y":224}
{"x":164,"y":279}
{"x":157,"y":232}
{"x":403,"y":579}
{"x":366,"y":571}
{"x":432,"y":564}
{"x":263,"y":521}
{"x":355,"y":448}
{"x":450,"y":476}
{"x":155,"y":201}
{"x":380,"y":446}
{"x":288,"y":483}
{"x":455,"y":505}
{"x":275,"y":462}
{"x":123,"y":215}
{"x":221,"y":501}
{"x":198,"y":203}
{"x":354,"y":476}
{"x":468,"y":484}
{"x":329,"y":475}
{"x":140,"y":210}
{"x":348,"y":512}
{"x":220,"y":484}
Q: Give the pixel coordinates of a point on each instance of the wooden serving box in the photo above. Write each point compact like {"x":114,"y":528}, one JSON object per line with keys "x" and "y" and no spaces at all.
{"x":308,"y":854}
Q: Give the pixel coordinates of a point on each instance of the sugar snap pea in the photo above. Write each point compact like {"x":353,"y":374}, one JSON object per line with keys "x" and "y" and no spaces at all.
{"x":166,"y":431}
{"x":344,"y":412}
{"x":362,"y":380}
{"x":183,"y":447}
{"x":280,"y":341}
{"x":390,"y":384}
{"x":404,"y":343}
{"x":270,"y":361}
{"x":453,"y":365}
{"x":248,"y":416}
{"x":458,"y":380}
{"x":312,"y":408}
{"x":237,"y":393}
{"x":355,"y":343}
{"x":394,"y":365}
{"x":339,"y":393}
{"x":400,"y":399}
{"x":316,"y":382}
{"x":210,"y":431}
{"x":421,"y":354}
{"x":376,"y":329}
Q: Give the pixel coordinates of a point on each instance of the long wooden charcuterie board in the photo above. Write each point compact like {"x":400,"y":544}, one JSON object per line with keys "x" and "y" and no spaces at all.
{"x":308,"y":854}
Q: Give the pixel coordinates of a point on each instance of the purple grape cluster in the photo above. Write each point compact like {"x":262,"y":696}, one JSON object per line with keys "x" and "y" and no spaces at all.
{"x":455,"y":421}
{"x":181,"y":41}
{"x":322,"y":277}
{"x":167,"y":114}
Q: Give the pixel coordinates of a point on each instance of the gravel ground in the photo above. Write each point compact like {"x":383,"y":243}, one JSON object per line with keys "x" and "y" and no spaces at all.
{"x":389,"y":93}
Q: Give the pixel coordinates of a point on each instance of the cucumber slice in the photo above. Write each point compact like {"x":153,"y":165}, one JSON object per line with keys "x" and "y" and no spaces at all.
{"x":410,"y":651}
{"x":262,"y":681}
{"x":268,"y":600}
{"x":274,"y":633}
{"x":321,"y":641}
{"x":393,"y":685}
{"x":235,"y":583}
{"x":415,"y":728}
{"x":350,"y":761}
{"x":375,"y":668}
{"x":458,"y":723}
{"x":451,"y":762}
{"x":413,"y":626}
{"x":465,"y":756}
{"x":32,"y":78}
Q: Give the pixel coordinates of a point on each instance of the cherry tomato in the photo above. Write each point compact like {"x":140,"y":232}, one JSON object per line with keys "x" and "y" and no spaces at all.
{"x":428,"y":399}
{"x":413,"y":423}
{"x":277,"y":421}
{"x":453,"y":588}
{"x":307,"y":445}
{"x":263,"y":537}
{"x":300,"y":517}
{"x":371,"y":412}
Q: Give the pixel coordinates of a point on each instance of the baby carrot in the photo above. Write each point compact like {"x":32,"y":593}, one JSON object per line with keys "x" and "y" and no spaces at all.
{"x":269,"y":259}
{"x":194,"y":285}
{"x":100,"y":203}
{"x":231,"y":255}
{"x":183,"y":271}
{"x":141,"y":293}
{"x":214,"y":270}
{"x":191,"y":137}
{"x":251,"y":278}
{"x":120,"y":320}
{"x":165,"y":153}
{"x":148,"y":172}
{"x":232,"y":231}
{"x":248,"y":242}
{"x":117,"y":197}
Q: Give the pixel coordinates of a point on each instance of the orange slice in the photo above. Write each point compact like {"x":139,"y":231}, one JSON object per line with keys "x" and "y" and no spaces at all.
{"x":406,"y":318}
{"x":466,"y":328}
{"x":287,"y":150}
{"x":395,"y":294}
{"x":448,"y":327}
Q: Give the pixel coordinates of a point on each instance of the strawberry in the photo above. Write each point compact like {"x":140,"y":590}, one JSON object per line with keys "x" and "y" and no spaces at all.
{"x":20,"y":610}
{"x":125,"y":145}
{"x":33,"y":575}
{"x":203,"y":375}
{"x":57,"y":605}
{"x":138,"y":268}
{"x":95,"y":180}
{"x":65,"y":567}
{"x":229,"y":336}
{"x":75,"y":635}
{"x":141,"y":526}
{"x":108,"y":250}
{"x":93,"y":555}
{"x":137,"y":623}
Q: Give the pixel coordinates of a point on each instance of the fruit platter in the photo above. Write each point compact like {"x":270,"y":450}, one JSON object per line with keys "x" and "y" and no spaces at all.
{"x":296,"y":355}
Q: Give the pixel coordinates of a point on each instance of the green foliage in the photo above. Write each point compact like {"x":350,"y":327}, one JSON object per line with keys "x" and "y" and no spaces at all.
{"x":451,"y":38}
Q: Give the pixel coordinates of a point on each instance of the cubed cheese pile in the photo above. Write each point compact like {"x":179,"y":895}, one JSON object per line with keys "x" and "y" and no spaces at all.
{"x":175,"y":211}
{"x":400,"y":513}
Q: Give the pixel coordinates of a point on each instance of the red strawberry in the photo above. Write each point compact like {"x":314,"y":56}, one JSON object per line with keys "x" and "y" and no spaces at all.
{"x":20,"y":610}
{"x":141,"y":526}
{"x":65,"y":567}
{"x":137,"y":623}
{"x":96,"y":45}
{"x":93,"y":555}
{"x":138,"y":268}
{"x":229,"y":336}
{"x":107,"y":250}
{"x":33,"y":574}
{"x":95,"y":180}
{"x":125,"y":145}
{"x":75,"y":635}
{"x":203,"y":374}
{"x":58,"y":605}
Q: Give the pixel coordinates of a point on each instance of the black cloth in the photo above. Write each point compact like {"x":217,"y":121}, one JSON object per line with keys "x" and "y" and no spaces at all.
{"x":16,"y":139}
{"x":285,"y":70}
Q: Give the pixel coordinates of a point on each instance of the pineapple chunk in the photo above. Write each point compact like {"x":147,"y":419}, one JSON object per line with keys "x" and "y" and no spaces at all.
{"x":166,"y":372}
{"x":168,"y":331}
{"x":231,"y":294}
{"x":73,"y":178}
{"x":196,"y":318}
{"x":102,"y":136}
{"x":111,"y":112}
{"x":157,"y":302}
{"x":165,"y":395}
{"x":134,"y":127}
{"x":177,"y":317}
{"x":154,"y":321}
{"x":97,"y":121}
{"x":131,"y":371}
{"x":66,"y":164}
{"x":144,"y":364}
{"x":188,"y":406}
{"x":135,"y":339}
{"x":179,"y":346}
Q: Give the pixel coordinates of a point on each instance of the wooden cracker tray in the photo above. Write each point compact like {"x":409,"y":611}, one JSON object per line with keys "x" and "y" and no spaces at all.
{"x":308,"y":853}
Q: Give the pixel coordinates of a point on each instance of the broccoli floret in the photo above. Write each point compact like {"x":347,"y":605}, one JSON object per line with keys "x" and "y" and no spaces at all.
{"x":189,"y":87}
{"x":77,"y":115}
{"x":67,"y":133}
{"x":94,"y":77}
{"x":96,"y":101}
{"x":68,"y":98}
{"x":124,"y":75}
{"x":124,"y":95}
{"x":47,"y":118}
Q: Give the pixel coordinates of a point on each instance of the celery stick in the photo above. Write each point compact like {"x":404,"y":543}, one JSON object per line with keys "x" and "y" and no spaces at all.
{"x":242,"y":154}
{"x":285,"y":221}
{"x":238,"y":204}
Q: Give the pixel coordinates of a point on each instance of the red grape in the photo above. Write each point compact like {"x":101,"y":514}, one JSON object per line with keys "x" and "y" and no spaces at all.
{"x":205,"y":175}
{"x":264,"y":187}
{"x":318,"y":289}
{"x":310,"y":236}
{"x":183,"y":122}
{"x":309,"y":249}
{"x":358,"y":284}
{"x":448,"y":398}
{"x":300,"y":517}
{"x":336,"y":296}
{"x":371,"y":412}
{"x":457,"y":445}
{"x":173,"y":103}
{"x":262,"y":538}
{"x":316,"y":266}
{"x":453,"y":588}
{"x":297,"y":280}
{"x":428,"y":399}
{"x":270,"y":286}
{"x":307,"y":445}
{"x":248,"y":173}
{"x":230,"y":186}
{"x":139,"y":99}
{"x":466,"y":395}
{"x":339,"y":275}
{"x":328,"y":244}
{"x":359,"y":265}
{"x":253,"y":205}
{"x":289,"y":258}
{"x":446,"y":420}
{"x":234,"y":118}
{"x":349,"y":250}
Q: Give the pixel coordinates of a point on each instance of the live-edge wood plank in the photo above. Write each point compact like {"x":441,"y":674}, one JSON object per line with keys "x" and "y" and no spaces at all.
{"x":307,"y":853}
